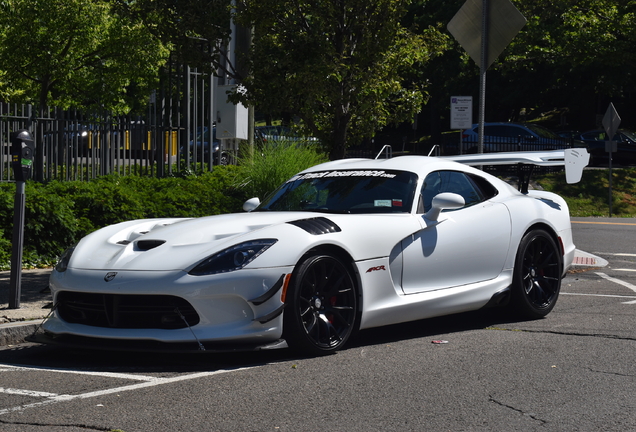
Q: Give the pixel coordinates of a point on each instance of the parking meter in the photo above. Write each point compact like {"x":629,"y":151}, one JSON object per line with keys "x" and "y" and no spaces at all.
{"x":22,"y":153}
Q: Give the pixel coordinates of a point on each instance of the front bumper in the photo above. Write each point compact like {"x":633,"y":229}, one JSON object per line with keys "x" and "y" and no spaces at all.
{"x":233,"y":310}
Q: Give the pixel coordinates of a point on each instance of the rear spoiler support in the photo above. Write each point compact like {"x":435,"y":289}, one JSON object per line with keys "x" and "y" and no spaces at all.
{"x":524,"y":176}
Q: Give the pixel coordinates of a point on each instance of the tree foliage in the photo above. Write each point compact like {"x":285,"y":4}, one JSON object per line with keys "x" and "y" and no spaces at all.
{"x":75,"y":53}
{"x":197,"y":31}
{"x":338,"y":65}
{"x":344,"y":68}
{"x":570,"y":60}
{"x":575,"y":54}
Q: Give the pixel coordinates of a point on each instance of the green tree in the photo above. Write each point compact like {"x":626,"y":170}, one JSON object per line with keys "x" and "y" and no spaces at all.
{"x":75,"y":53}
{"x":572,"y":56}
{"x":340,"y":66}
{"x":576,"y":54}
{"x":197,"y":31}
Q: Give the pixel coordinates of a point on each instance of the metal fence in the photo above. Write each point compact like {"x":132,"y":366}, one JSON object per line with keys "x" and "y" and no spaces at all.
{"x":172,"y":135}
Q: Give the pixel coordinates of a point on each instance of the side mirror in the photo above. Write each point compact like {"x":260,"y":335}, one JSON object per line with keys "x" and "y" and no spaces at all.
{"x":251,"y":204}
{"x":444,"y":201}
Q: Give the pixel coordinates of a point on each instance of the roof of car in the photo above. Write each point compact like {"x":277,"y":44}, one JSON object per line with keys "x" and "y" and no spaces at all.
{"x":406,"y":163}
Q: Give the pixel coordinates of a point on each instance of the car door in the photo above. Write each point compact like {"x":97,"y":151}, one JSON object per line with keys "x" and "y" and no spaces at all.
{"x":464,"y":246}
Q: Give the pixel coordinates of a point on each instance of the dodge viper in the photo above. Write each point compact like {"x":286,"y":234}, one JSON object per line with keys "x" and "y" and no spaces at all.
{"x":342,"y":246}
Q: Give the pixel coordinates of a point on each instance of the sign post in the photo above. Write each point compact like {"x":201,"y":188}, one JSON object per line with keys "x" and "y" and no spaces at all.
{"x":484,"y":28}
{"x":461,"y":116}
{"x":611,"y":120}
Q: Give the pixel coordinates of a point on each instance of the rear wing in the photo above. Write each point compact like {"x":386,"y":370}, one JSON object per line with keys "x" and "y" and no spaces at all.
{"x":574,"y":160}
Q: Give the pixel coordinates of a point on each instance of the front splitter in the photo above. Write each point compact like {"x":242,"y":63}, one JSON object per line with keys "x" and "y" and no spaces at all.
{"x":144,"y":345}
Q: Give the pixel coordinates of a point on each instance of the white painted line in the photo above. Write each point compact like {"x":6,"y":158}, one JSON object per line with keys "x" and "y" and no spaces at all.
{"x":618,"y":281}
{"x":626,"y":270}
{"x":598,"y":295}
{"x":26,"y":392}
{"x":630,"y":302}
{"x":154,"y":382}
{"x":80,"y":372}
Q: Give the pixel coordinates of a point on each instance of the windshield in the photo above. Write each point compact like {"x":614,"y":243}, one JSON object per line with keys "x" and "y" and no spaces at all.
{"x":359,"y":191}
{"x":629,"y":135}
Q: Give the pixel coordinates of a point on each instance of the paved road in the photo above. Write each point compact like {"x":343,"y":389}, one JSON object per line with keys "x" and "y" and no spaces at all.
{"x":573,"y":371}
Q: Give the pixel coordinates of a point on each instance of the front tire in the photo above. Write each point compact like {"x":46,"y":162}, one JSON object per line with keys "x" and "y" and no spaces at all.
{"x":322,"y":306}
{"x":537,"y":275}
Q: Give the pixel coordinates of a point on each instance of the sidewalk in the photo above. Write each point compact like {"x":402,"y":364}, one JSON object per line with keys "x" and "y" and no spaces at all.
{"x":35,"y":301}
{"x":35,"y":304}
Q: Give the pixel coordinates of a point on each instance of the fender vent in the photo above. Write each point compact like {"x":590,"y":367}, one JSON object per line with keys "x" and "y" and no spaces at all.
{"x":145,"y":245}
{"x":317,"y":225}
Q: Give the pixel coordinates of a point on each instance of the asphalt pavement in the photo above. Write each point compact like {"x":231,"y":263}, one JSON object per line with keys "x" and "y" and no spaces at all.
{"x":36,"y":301}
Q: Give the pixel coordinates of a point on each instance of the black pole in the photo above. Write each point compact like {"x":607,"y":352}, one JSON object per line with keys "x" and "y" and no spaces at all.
{"x":610,"y":178}
{"x":22,"y":150}
{"x":18,"y":243}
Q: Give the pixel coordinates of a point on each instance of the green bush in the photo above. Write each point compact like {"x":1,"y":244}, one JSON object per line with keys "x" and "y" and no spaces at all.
{"x":590,"y":197}
{"x":274,"y":163}
{"x":58,"y":214}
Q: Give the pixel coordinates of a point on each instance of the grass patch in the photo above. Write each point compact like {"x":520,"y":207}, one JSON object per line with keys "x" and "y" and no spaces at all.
{"x":590,"y":197}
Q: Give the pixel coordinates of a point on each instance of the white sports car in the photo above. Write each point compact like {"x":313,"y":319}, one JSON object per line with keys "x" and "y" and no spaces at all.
{"x":345,"y":245}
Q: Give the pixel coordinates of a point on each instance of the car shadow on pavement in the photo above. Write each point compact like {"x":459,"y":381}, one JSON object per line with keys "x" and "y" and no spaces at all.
{"x":36,"y":355}
{"x":433,"y":327}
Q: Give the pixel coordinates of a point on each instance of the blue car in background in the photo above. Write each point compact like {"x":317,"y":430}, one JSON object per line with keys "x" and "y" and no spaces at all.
{"x":507,"y":137}
{"x":595,"y":141}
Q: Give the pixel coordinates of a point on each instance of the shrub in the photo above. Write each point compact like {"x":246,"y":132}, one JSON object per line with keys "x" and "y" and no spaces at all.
{"x":274,"y":163}
{"x":58,"y":214}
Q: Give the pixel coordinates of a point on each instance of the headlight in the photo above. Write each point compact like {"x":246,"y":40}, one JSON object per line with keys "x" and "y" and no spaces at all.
{"x":62,"y":264}
{"x":232,"y":258}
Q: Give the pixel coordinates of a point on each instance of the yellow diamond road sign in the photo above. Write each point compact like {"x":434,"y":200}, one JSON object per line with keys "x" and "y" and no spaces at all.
{"x":504,"y":22}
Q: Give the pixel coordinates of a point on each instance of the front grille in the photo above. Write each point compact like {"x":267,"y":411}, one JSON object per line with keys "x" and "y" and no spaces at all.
{"x":126,"y":311}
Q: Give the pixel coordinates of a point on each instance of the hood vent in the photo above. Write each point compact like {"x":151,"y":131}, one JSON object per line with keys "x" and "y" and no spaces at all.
{"x":145,"y":245}
{"x":317,"y":226}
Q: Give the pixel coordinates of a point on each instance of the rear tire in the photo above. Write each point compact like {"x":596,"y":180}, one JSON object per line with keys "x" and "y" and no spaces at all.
{"x":537,"y":275}
{"x":322,"y":306}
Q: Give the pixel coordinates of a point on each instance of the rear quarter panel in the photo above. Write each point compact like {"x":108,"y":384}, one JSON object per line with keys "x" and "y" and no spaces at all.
{"x":542,"y":208}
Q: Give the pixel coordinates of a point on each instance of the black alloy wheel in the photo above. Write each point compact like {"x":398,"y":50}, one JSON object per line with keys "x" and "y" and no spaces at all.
{"x":322,"y":306}
{"x":537,"y":275}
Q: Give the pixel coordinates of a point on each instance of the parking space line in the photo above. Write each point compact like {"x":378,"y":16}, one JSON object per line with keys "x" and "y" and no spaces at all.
{"x":618,"y":281}
{"x":26,"y":392}
{"x":598,"y":295}
{"x":151,"y":383}
{"x":80,"y":372}
{"x":603,"y":295}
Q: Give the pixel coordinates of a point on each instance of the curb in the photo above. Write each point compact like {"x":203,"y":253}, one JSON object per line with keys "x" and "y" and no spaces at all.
{"x":585,"y":259}
{"x":15,"y":332}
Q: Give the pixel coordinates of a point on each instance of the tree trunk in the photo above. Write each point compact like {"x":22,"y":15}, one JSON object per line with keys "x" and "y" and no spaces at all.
{"x":339,"y":140}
